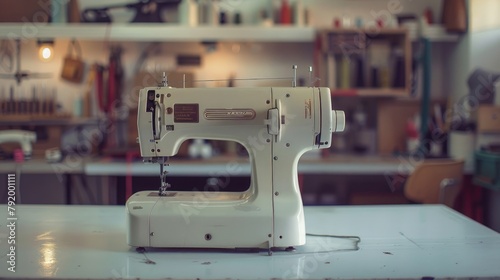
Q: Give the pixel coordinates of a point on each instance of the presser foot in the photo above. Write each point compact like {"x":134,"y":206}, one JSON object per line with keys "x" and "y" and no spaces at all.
{"x":163,"y":189}
{"x":163,"y":177}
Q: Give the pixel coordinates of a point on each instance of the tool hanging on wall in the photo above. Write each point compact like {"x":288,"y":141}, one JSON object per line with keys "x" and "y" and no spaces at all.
{"x":115,"y":76}
{"x":114,"y":106}
{"x":145,"y":11}
{"x":6,"y":56}
{"x":19,"y":75}
{"x":108,"y":85}
{"x":73,"y":65}
{"x":109,"y":82}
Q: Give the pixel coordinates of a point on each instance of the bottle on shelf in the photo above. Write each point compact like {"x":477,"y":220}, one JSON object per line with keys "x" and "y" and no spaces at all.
{"x":345,"y":73}
{"x":285,"y":12}
{"x":189,"y":12}
{"x":299,"y":16}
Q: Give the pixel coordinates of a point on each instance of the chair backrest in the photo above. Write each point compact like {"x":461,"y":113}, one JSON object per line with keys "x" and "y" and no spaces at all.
{"x":429,"y":182}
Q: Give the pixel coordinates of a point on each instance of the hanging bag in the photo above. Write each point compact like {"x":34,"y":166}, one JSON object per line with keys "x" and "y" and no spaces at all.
{"x":73,"y":65}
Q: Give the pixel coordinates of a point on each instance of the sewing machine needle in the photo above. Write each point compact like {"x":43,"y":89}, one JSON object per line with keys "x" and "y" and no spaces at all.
{"x":163,"y":177}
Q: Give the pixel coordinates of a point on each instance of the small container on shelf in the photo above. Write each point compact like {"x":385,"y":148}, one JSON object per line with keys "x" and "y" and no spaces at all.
{"x":487,"y":169}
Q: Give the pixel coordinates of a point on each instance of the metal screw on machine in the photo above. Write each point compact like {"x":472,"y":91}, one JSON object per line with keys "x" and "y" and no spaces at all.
{"x":294,"y":82}
{"x":310,"y":76}
{"x":164,"y":82}
{"x":208,"y":237}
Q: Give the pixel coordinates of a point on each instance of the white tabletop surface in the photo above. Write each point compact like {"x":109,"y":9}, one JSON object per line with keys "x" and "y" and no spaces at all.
{"x":88,"y":242}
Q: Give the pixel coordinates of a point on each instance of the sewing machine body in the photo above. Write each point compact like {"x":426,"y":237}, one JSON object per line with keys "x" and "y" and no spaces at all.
{"x":275,"y":125}
{"x":23,"y":137}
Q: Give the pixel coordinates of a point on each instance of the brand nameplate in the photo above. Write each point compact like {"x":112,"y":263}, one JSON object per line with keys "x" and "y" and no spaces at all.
{"x":229,"y":114}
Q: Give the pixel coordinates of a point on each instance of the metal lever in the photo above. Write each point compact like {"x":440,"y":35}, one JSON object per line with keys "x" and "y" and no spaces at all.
{"x":273,"y":121}
{"x":164,"y":82}
{"x":157,"y":121}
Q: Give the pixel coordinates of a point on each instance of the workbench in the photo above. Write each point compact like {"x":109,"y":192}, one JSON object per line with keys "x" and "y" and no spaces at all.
{"x":107,"y":166}
{"x":411,"y":241}
{"x":104,"y":171}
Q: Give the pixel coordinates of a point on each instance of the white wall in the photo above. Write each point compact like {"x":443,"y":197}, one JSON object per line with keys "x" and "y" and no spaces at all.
{"x":485,"y":49}
{"x":458,"y":68}
{"x":484,"y":15}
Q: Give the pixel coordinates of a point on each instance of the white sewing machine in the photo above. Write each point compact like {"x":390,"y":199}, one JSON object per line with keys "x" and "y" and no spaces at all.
{"x":23,"y":137}
{"x":275,"y":125}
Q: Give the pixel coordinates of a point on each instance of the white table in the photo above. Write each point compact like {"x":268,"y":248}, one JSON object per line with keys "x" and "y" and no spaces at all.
{"x":397,"y":242}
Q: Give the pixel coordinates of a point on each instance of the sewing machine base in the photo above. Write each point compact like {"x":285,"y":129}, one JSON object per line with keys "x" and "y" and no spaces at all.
{"x":269,"y":251}
{"x":209,"y":220}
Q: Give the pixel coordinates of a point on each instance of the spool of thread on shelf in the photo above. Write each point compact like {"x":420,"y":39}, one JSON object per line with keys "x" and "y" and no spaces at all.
{"x":384,"y":77}
{"x":18,"y":156}
{"x":59,"y":11}
{"x":345,"y":73}
{"x":189,"y":13}
{"x":78,"y":107}
{"x":299,"y":13}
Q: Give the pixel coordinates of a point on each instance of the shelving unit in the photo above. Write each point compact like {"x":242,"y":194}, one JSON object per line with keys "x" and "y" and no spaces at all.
{"x":158,"y":32}
{"x":344,"y":51}
{"x":174,"y":32}
{"x":58,"y":120}
{"x":434,"y":33}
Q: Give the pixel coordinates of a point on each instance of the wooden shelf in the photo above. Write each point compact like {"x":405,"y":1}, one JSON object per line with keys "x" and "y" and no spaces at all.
{"x":366,"y":31}
{"x":414,"y":33}
{"x":45,"y":120}
{"x":369,"y":92}
{"x":172,"y":32}
{"x":158,"y":32}
{"x":434,"y":33}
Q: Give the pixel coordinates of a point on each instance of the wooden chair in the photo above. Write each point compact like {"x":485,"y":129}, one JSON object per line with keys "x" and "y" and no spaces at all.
{"x":435,"y":181}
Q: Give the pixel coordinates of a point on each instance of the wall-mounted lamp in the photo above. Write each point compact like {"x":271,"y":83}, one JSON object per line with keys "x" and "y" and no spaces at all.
{"x":45,"y":50}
